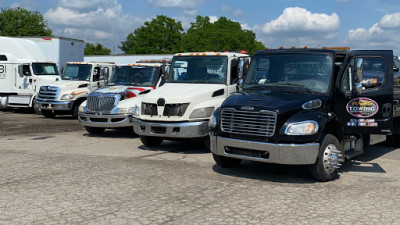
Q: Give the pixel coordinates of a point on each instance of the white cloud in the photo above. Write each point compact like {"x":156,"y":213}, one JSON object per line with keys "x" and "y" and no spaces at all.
{"x":225,"y":8}
{"x":298,"y":26}
{"x":381,"y":35}
{"x":26,"y":4}
{"x":100,"y":21}
{"x":213,"y":19}
{"x":186,"y":4}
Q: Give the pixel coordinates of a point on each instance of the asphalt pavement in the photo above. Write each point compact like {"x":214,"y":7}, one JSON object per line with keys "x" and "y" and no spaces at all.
{"x":54,"y":172}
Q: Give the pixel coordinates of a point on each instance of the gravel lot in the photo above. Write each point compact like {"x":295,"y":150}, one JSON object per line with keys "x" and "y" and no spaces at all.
{"x":54,"y":172}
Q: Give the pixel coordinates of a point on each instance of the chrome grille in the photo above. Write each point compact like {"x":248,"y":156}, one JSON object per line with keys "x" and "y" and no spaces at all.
{"x":149,"y":109}
{"x":48,"y":93}
{"x":175,"y":109}
{"x":101,"y":103}
{"x":261,"y":123}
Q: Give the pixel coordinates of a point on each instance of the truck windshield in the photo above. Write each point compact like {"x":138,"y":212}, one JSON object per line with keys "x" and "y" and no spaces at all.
{"x":45,"y":68}
{"x":134,"y":76}
{"x":77,"y":72}
{"x":292,"y":72}
{"x":198,"y":69}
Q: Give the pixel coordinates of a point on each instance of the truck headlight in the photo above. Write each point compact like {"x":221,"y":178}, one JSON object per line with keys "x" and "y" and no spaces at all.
{"x":129,"y":110}
{"x":213,"y":122}
{"x":201,"y":113}
{"x":136,"y":111}
{"x":302,"y":128}
{"x":82,"y":108}
{"x":68,"y":97}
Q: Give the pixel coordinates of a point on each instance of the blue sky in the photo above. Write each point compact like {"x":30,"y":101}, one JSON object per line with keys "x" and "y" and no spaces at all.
{"x":358,"y":24}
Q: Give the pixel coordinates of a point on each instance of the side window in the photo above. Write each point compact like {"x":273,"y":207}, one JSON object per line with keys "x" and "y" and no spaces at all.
{"x":368,"y":71}
{"x":372,"y":72}
{"x":96,"y":74}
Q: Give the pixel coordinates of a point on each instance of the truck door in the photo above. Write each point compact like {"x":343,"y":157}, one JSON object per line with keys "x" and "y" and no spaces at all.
{"x":364,"y":93}
{"x":24,"y":79}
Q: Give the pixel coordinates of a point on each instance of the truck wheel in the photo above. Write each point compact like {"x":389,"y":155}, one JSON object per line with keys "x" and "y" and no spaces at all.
{"x":226,"y":162}
{"x":393,"y":140}
{"x":94,"y":130}
{"x":75,"y":111}
{"x":329,"y":159}
{"x":151,"y":141}
{"x":48,"y":114}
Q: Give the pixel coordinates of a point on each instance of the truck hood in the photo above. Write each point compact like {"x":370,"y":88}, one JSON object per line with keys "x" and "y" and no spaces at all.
{"x":130,"y":91}
{"x":279,"y":102}
{"x":184,"y":93}
{"x":47,"y":79}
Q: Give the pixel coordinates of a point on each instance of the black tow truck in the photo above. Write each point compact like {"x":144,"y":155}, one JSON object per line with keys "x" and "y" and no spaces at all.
{"x":315,"y":107}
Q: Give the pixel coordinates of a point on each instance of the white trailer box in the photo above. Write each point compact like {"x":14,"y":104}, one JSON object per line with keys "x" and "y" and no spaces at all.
{"x":60,"y":49}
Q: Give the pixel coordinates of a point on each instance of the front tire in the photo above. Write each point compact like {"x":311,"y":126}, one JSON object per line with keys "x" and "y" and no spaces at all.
{"x":48,"y":113}
{"x":94,"y":130}
{"x":226,"y":162}
{"x":330,"y":157}
{"x":151,"y":141}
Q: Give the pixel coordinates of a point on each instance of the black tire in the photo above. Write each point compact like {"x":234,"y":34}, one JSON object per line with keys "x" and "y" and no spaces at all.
{"x":330,"y":157}
{"x":206,"y":142}
{"x":226,"y":162}
{"x":393,"y":140}
{"x":94,"y":130}
{"x":48,"y":113}
{"x":36,"y":109}
{"x":151,"y":141}
{"x":75,"y":111}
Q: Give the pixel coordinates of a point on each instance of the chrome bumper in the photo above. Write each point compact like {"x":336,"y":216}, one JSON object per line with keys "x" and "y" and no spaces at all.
{"x":55,"y":106}
{"x":290,"y":154}
{"x":171,"y":130}
{"x":105,"y":121}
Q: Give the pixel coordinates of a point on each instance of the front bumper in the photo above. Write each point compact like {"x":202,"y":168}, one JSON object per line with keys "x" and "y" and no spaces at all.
{"x":55,"y":106}
{"x":171,"y":130}
{"x":289,"y":154}
{"x":105,"y":121}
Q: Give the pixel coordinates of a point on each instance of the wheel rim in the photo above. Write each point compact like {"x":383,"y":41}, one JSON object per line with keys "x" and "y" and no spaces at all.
{"x":332,"y":158}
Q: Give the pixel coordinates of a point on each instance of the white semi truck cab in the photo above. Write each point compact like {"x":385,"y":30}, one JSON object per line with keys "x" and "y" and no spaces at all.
{"x":77,"y":81}
{"x":197,"y":84}
{"x":23,"y":68}
{"x":113,"y":106}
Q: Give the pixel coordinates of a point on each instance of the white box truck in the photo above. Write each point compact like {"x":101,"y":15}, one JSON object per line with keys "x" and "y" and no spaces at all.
{"x":28,"y":63}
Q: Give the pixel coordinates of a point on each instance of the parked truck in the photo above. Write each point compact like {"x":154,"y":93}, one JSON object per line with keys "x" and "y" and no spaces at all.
{"x":77,"y":81}
{"x":196,"y":85}
{"x":313,"y":107}
{"x":113,"y":106}
{"x":23,"y":68}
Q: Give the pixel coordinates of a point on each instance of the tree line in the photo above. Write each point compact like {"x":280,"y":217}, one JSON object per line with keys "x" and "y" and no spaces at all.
{"x":161,"y":35}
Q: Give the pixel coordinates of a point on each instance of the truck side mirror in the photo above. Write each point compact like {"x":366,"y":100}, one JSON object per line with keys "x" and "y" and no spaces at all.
{"x":358,"y":88}
{"x":239,"y":86}
{"x":359,"y":69}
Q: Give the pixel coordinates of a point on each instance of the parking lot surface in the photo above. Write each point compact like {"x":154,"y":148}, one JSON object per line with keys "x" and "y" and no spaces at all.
{"x":54,"y":172}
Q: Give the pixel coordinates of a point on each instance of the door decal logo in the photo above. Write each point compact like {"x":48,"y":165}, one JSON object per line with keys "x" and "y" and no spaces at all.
{"x":362,"y":107}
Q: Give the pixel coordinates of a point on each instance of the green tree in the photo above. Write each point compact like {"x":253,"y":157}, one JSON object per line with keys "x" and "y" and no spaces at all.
{"x":21,"y":22}
{"x":98,"y":49}
{"x":222,"y":35}
{"x":162,"y":35}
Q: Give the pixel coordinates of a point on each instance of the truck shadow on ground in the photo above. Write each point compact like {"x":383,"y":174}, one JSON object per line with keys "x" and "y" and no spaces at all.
{"x":363,"y":162}
{"x":113,"y":134}
{"x":181,"y":146}
{"x":268,"y":172}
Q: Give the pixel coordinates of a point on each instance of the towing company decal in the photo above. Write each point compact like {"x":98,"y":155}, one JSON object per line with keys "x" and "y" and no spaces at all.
{"x":362,"y":123}
{"x":362,"y":107}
